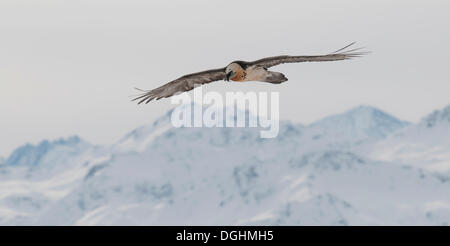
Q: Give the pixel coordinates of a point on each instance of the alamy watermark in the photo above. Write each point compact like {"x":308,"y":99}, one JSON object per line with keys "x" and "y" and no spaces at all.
{"x":256,"y":114}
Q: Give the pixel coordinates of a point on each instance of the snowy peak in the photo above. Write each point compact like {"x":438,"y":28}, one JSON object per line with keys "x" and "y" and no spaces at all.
{"x":426,"y":144}
{"x":361,"y":122}
{"x":33,"y":155}
{"x":139,"y":139}
{"x":328,"y":173}
{"x":437,"y":117}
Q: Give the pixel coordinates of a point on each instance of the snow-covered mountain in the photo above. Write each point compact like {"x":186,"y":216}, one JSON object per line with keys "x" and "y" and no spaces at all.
{"x":47,"y":153}
{"x":437,"y":117}
{"x":425,"y":145}
{"x":363,"y":122}
{"x":341,"y":170}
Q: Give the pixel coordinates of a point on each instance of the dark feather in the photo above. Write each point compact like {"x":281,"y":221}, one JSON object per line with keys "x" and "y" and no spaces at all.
{"x":182,"y":84}
{"x":338,"y":55}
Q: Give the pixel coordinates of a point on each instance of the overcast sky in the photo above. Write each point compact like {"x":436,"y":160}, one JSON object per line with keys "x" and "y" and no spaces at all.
{"x":69,"y":67}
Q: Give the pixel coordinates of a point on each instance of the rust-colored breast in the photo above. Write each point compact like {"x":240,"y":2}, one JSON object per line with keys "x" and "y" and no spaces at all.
{"x":239,"y":77}
{"x":250,"y":74}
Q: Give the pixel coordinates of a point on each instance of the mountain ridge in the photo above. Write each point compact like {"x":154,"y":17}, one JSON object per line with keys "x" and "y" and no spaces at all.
{"x":31,"y":155}
{"x":139,"y":133}
{"x":309,"y":175}
{"x":362,"y":121}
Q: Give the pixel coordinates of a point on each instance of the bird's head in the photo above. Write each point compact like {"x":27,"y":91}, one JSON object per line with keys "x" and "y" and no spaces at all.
{"x":232,"y":69}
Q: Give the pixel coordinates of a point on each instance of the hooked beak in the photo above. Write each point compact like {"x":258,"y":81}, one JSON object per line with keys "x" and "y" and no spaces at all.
{"x":227,"y":78}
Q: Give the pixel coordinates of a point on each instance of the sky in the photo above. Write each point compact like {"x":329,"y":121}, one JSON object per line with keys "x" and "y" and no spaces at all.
{"x":69,"y":67}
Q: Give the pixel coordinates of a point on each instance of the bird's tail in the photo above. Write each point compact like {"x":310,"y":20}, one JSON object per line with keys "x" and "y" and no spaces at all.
{"x":275,"y":77}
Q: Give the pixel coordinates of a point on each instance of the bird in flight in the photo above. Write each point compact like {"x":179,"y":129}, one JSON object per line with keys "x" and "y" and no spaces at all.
{"x":242,"y":71}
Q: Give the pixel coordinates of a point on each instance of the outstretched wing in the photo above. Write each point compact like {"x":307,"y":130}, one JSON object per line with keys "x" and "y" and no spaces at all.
{"x":182,"y":84}
{"x":341,"y":54}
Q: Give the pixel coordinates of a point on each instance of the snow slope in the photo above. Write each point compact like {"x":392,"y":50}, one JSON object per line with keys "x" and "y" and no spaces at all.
{"x":426,"y":144}
{"x":343,"y":170}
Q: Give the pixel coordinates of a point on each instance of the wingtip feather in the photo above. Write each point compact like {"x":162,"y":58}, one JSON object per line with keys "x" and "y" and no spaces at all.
{"x":352,"y":53}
